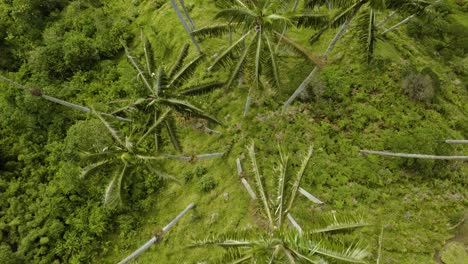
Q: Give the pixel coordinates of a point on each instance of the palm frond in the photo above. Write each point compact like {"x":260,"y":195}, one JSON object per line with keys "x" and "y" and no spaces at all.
{"x":367,"y":33}
{"x":162,"y":82}
{"x":351,"y":254}
{"x":163,"y":175}
{"x":299,"y":175}
{"x":281,"y":171}
{"x":186,"y":72}
{"x":179,"y":61}
{"x":239,"y":65}
{"x":214,"y":31}
{"x":156,"y":124}
{"x":113,"y":196}
{"x":202,"y":88}
{"x":259,"y":183}
{"x":300,"y":50}
{"x":336,"y":223}
{"x":311,"y":20}
{"x":258,"y":54}
{"x":187,"y":109}
{"x":149,"y":56}
{"x":92,"y":167}
{"x":226,"y":57}
{"x":236,"y":14}
{"x":111,"y":130}
{"x":272,"y":66}
{"x":141,"y":74}
{"x":172,"y":131}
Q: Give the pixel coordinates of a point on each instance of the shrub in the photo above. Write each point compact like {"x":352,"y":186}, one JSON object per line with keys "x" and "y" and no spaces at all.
{"x":206,"y":184}
{"x":418,"y":87}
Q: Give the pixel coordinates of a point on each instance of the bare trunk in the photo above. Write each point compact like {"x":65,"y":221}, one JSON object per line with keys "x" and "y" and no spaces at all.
{"x":249,"y":189}
{"x":456,"y":141}
{"x":383,"y":21}
{"x":310,"y":196}
{"x":406,"y":20}
{"x":184,"y":8}
{"x":295,"y":224}
{"x":311,"y":75}
{"x":154,"y":239}
{"x":182,"y":20}
{"x":416,"y":156}
{"x":61,"y":102}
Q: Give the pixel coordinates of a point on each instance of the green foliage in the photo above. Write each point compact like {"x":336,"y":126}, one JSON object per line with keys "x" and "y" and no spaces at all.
{"x":418,"y":87}
{"x":206,"y":183}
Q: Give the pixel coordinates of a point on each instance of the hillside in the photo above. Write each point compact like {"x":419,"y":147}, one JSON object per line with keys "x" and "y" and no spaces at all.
{"x":74,"y":50}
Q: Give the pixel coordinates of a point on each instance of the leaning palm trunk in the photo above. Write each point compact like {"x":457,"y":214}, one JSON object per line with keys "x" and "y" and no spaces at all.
{"x":195,"y":157}
{"x":187,"y":15}
{"x":406,"y":20}
{"x":155,"y":238}
{"x":37,"y":92}
{"x":416,"y":156}
{"x":182,"y":20}
{"x":312,"y":74}
{"x":456,"y":141}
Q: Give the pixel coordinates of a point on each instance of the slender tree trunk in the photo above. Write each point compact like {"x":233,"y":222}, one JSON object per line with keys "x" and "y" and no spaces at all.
{"x":310,"y":196}
{"x":295,"y":224}
{"x":406,"y":20}
{"x":416,"y":156}
{"x":249,"y":189}
{"x":61,"y":102}
{"x":182,"y":3}
{"x":456,"y":141}
{"x":191,"y":158}
{"x":383,"y":21}
{"x":154,"y":239}
{"x":311,"y":75}
{"x":182,"y":20}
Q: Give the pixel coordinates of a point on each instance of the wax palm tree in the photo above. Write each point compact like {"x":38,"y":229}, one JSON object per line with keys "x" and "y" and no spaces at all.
{"x":122,"y":157}
{"x":260,"y":24}
{"x":167,"y":92}
{"x":275,"y":242}
{"x":367,"y":29}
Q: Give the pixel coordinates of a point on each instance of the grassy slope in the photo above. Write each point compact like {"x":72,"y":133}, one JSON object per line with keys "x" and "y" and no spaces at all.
{"x":362,"y":108}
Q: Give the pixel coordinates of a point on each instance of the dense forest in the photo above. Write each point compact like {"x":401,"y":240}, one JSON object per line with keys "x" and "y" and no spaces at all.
{"x":116,"y":115}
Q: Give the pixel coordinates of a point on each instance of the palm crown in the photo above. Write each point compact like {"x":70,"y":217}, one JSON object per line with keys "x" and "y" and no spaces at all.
{"x":259,"y":24}
{"x":167,"y":92}
{"x":275,"y":242}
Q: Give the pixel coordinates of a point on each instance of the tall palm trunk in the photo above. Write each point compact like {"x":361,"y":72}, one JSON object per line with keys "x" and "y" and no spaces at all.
{"x":187,"y":15}
{"x":155,"y":238}
{"x":182,"y":20}
{"x":312,"y":74}
{"x":37,"y":92}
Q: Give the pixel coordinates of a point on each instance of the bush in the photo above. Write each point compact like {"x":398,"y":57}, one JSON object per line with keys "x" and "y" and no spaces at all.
{"x":206,"y":184}
{"x":418,"y":87}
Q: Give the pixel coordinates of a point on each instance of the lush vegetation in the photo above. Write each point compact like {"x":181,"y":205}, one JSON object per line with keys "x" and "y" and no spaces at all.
{"x":402,"y":91}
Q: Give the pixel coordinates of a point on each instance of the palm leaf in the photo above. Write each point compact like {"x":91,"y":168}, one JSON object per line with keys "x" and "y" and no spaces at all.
{"x":156,"y":124}
{"x":161,"y":82}
{"x":259,"y":183}
{"x":187,"y":109}
{"x":352,"y":254}
{"x":312,"y":20}
{"x":281,"y":171}
{"x":367,"y":33}
{"x":299,"y":175}
{"x":236,"y":14}
{"x":239,"y":65}
{"x":300,"y":50}
{"x":214,"y":31}
{"x":141,"y":74}
{"x":272,"y":66}
{"x":172,"y":131}
{"x":113,"y":197}
{"x":258,"y":54}
{"x":186,"y":72}
{"x":333,"y":223}
{"x":180,"y":60}
{"x":92,"y":167}
{"x":111,"y":130}
{"x":161,"y":174}
{"x":226,"y":57}
{"x":149,"y":56}
{"x":202,"y":88}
